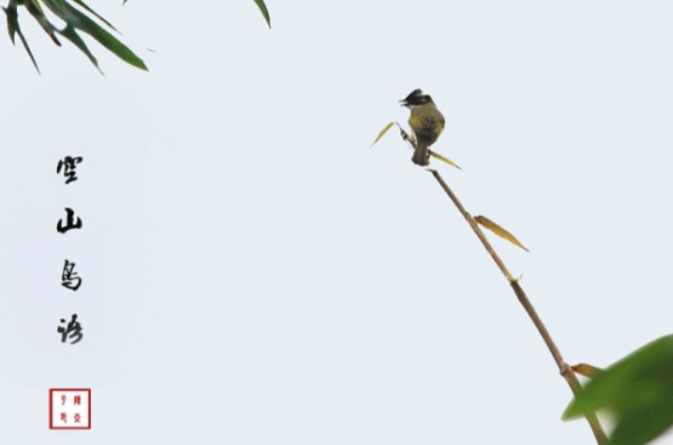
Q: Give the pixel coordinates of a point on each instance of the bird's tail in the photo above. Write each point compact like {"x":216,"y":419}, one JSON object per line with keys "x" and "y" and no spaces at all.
{"x":421,"y":155}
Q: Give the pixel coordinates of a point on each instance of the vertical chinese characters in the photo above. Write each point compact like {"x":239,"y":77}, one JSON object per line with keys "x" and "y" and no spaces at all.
{"x":69,"y":278}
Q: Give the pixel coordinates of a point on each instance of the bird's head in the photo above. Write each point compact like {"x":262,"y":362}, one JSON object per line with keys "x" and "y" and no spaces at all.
{"x":416,"y":98}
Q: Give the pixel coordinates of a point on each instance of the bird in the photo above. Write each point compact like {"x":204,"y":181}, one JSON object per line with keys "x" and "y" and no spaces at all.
{"x":426,"y":123}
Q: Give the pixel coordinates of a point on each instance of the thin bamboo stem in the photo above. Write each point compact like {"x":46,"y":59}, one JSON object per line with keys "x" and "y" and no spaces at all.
{"x":564,"y":369}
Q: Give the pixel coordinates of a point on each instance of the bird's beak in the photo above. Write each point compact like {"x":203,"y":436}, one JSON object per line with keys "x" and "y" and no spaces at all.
{"x":403,"y":103}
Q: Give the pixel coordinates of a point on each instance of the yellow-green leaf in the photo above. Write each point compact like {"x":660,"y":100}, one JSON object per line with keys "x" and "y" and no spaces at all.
{"x":384,"y":131}
{"x":442,"y":158}
{"x":586,"y":370}
{"x":502,"y":233}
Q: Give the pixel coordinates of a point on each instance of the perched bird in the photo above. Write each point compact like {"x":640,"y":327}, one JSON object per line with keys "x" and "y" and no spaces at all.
{"x":425,"y":121}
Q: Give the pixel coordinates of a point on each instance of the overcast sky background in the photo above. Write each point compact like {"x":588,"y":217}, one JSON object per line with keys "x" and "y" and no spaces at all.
{"x":284,"y":282}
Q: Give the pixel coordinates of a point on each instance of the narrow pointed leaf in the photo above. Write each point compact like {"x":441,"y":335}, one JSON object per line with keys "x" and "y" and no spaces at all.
{"x":36,"y":11}
{"x":78,"y":20}
{"x":70,"y":33}
{"x":502,"y":233}
{"x":265,"y":12}
{"x":586,"y":370}
{"x":384,"y":131}
{"x":25,"y":45}
{"x":94,"y":13}
{"x":14,"y":28}
{"x":442,"y":158}
{"x":12,"y":20}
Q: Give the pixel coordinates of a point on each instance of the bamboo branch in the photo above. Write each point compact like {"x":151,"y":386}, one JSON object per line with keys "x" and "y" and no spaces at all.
{"x":564,"y":369}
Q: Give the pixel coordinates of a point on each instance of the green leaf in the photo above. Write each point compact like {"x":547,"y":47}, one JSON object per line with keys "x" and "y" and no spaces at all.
{"x":70,"y":33}
{"x":76,"y":19}
{"x":265,"y":12}
{"x":637,"y":391}
{"x":14,"y":28}
{"x":12,"y":20}
{"x":95,"y":14}
{"x":36,"y":11}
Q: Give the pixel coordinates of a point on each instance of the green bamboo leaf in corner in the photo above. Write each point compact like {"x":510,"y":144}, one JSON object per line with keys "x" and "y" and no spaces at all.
{"x":36,"y":11}
{"x":637,"y":393}
{"x":265,"y":12}
{"x":12,"y":20}
{"x":95,"y":14}
{"x":14,"y":28}
{"x":78,"y":20}
{"x":70,"y":33}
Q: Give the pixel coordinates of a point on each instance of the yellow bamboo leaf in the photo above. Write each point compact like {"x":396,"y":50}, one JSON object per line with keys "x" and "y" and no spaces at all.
{"x":447,"y":160}
{"x":586,"y":370}
{"x":384,"y":131}
{"x":493,"y":227}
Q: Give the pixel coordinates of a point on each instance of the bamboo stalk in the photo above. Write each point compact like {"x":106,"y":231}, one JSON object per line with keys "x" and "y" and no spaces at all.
{"x":564,"y":369}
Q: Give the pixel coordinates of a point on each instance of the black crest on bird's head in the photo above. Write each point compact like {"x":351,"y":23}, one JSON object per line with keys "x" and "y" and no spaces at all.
{"x":416,"y":97}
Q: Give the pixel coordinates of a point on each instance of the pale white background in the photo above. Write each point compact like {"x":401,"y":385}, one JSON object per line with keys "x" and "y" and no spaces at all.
{"x":321,"y":291}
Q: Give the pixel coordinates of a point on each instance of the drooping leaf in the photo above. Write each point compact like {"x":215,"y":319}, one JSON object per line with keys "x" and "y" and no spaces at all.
{"x":95,"y":14}
{"x":70,"y":33}
{"x":14,"y":28}
{"x":36,"y":11}
{"x":384,"y":131}
{"x":498,"y":230}
{"x":12,"y":20}
{"x":78,"y":20}
{"x":265,"y":12}
{"x":637,"y":391}
{"x":442,"y":158}
{"x":75,"y":21}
